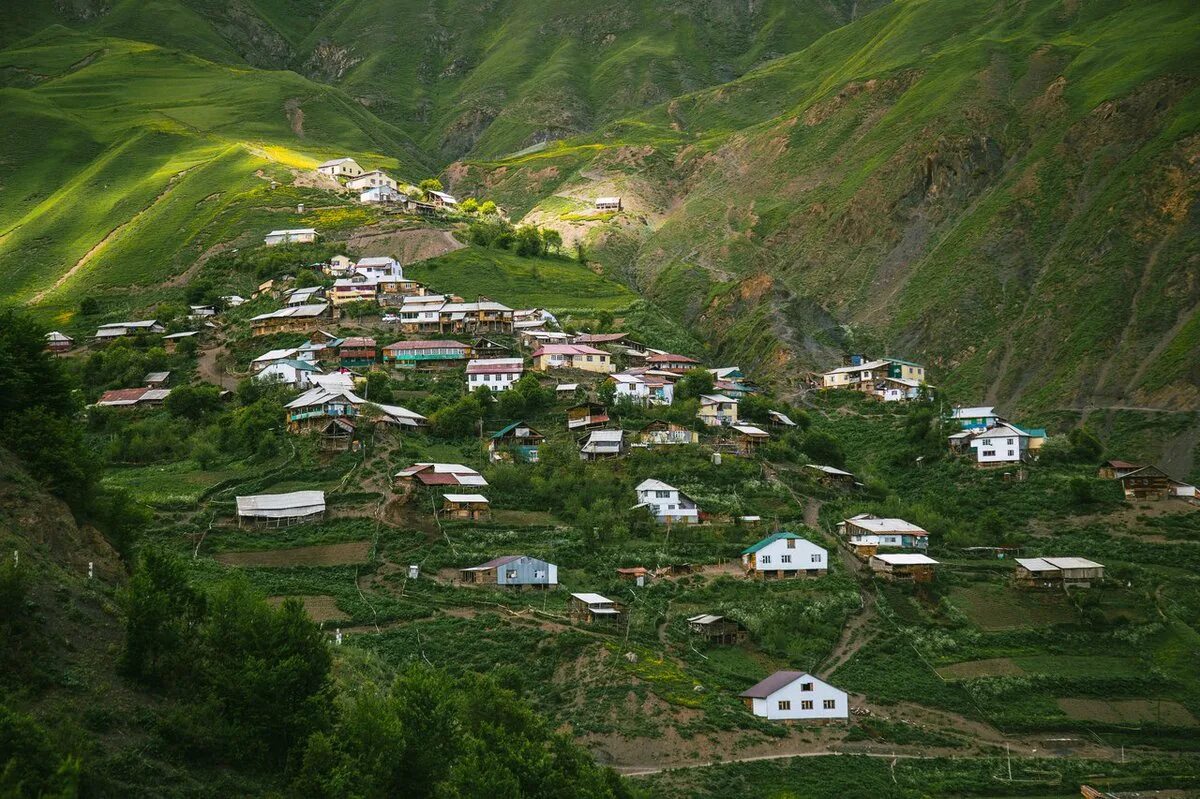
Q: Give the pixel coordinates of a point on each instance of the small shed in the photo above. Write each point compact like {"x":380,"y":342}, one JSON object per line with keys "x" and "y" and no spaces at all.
{"x":590,"y":608}
{"x":281,"y":510}
{"x":58,"y":342}
{"x":156,"y":379}
{"x":517,"y":439}
{"x":608,"y":203}
{"x":779,"y":419}
{"x":904,"y":567}
{"x":749,"y":438}
{"x":662,"y":432}
{"x":602,"y":444}
{"x":717,"y":629}
{"x":466,"y":507}
{"x":513,"y":571}
{"x":639,"y":575}
{"x":832,"y":476}
{"x":1053,"y":573}
{"x":1114,"y":469}
{"x":586,"y":415}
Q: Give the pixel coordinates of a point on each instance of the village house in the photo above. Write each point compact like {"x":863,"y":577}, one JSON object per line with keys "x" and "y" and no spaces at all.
{"x":1057,"y":572}
{"x":533,"y":318}
{"x":156,"y":379}
{"x":1002,"y":444}
{"x":831,"y":476}
{"x":441,"y":474}
{"x":305,"y":235}
{"x":586,"y":415}
{"x":370,"y":180}
{"x":497,"y":374}
{"x":638,"y":575}
{"x":784,"y":554}
{"x":719,"y":630}
{"x":669,"y":362}
{"x":341,"y":168}
{"x":440,"y":199}
{"x":357,"y":351}
{"x":866,"y":533}
{"x":421,"y":313}
{"x":600,"y":339}
{"x":513,"y":571}
{"x":272,"y":356}
{"x":481,"y":316}
{"x":571,"y":356}
{"x":608,"y":204}
{"x":979,"y":417}
{"x":292,"y":372}
{"x":358,"y":287}
{"x":779,"y":419}
{"x":340,"y":264}
{"x":903,"y":567}
{"x":643,"y":389}
{"x":280,"y":510}
{"x":305,"y":296}
{"x":115,"y":330}
{"x":132,"y":397}
{"x":717,"y":410}
{"x":486,"y":348}
{"x":533,"y":339}
{"x":312,"y":409}
{"x":667,"y":503}
{"x":602,"y":444}
{"x":382,"y":195}
{"x":883,"y":378}
{"x":295,"y":319}
{"x":661,"y":432}
{"x":171,"y":341}
{"x":425,"y":353}
{"x":201,"y":311}
{"x":392,"y":288}
{"x":517,"y":439}
{"x":590,"y":608}
{"x":1151,"y":482}
{"x":58,"y":342}
{"x":465,"y":507}
{"x":748,"y":438}
{"x":1115,"y":469}
{"x":796,"y":695}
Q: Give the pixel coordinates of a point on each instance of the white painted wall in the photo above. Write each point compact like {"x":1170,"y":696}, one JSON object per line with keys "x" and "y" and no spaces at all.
{"x":795,"y":698}
{"x":805,"y":555}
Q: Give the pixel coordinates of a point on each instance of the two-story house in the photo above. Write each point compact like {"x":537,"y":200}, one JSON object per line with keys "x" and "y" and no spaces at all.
{"x":667,"y":503}
{"x":718,"y":410}
{"x":784,"y":554}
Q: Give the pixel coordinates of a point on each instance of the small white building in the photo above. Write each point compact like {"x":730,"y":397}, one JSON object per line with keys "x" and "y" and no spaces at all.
{"x":297,"y":374}
{"x":667,"y":503}
{"x":304,"y":235}
{"x":381,"y":195}
{"x":498,"y":374}
{"x":370,"y":180}
{"x":785,"y":554}
{"x":999,"y":444}
{"x":608,"y":203}
{"x":341,"y":168}
{"x":644,"y":389}
{"x":442,"y":200}
{"x":796,"y":695}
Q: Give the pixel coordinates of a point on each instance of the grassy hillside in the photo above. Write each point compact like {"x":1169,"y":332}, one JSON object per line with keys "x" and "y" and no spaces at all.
{"x":1005,"y":194}
{"x":123,"y":162}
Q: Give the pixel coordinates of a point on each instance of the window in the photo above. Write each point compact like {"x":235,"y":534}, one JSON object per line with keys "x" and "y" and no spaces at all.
{"x":785,"y":558}
{"x":511,"y":574}
{"x":791,"y":543}
{"x":806,"y":686}
{"x":766,"y":558}
{"x":989,"y":453}
{"x":1011,"y":453}
{"x":1010,"y":442}
{"x":785,"y":704}
{"x":806,"y":705}
{"x":830,"y":704}
{"x":816,"y":558}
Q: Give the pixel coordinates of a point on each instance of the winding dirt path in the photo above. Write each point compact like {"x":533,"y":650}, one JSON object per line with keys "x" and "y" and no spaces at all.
{"x":210,"y":371}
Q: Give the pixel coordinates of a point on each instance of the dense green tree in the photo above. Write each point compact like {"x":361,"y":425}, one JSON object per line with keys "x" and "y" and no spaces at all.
{"x":162,"y":614}
{"x":193,"y":402}
{"x":469,"y":205}
{"x":824,"y":448}
{"x":694,"y":383}
{"x":488,"y":208}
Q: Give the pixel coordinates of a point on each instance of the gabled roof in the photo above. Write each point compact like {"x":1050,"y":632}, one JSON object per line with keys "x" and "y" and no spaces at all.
{"x":781,"y":417}
{"x":973,"y":412}
{"x":271,"y":506}
{"x":599,"y":338}
{"x":493,"y":563}
{"x":293,"y":311}
{"x":444,"y":197}
{"x":567,"y":349}
{"x":668,"y":357}
{"x":654,"y":485}
{"x":716,"y":399}
{"x":751,"y":430}
{"x":859,"y":368}
{"x":484,"y":366}
{"x":425,"y":345}
{"x":336,"y":161}
{"x":771,"y":539}
{"x":830,"y":470}
{"x":156,"y":377}
{"x":780,"y":679}
{"x":887,"y":525}
{"x":502,"y":432}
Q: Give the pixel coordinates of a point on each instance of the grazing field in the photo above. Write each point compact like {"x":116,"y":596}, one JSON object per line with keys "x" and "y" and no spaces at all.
{"x":557,"y":284}
{"x":324,"y":555}
{"x":1001,"y":607}
{"x":991,"y":667}
{"x":1129,"y":711}
{"x":319,"y":608}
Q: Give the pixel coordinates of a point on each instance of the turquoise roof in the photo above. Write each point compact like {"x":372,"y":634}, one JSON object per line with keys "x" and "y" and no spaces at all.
{"x":303,"y":366}
{"x":503,"y":432}
{"x":771,"y":539}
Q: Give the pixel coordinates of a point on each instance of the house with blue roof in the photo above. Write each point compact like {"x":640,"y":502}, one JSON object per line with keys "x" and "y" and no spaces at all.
{"x":784,"y":554}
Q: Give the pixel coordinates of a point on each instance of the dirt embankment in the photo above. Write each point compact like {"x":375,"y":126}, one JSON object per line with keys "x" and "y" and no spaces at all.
{"x":405,"y":244}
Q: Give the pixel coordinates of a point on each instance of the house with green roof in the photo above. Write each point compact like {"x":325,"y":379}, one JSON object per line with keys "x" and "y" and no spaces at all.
{"x":784,"y":554}
{"x":517,"y":440}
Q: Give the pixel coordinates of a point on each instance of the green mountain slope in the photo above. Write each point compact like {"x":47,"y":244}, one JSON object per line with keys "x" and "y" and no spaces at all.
{"x":1005,"y":191}
{"x":123,"y":161}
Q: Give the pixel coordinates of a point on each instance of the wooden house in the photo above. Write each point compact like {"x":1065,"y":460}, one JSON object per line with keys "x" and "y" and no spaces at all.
{"x":466,"y":507}
{"x":133,"y":397}
{"x":513,"y":571}
{"x":661,"y":432}
{"x":425,"y":354}
{"x":357,"y":351}
{"x":588,"y":608}
{"x":1115,"y":469}
{"x":586,"y":415}
{"x":486,"y":348}
{"x":748,"y":438}
{"x":515,"y":440}
{"x":292,"y":319}
{"x":172,"y":341}
{"x":717,"y":629}
{"x":639,"y":575}
{"x":58,"y":342}
{"x":905,"y":567}
{"x":669,"y":362}
{"x":337,"y":435}
{"x":779,"y":419}
{"x":280,"y":510}
{"x":156,"y":379}
{"x":1151,"y":482}
{"x":1051,"y":573}
{"x":831,"y":476}
{"x":600,"y":444}
{"x":441,"y":474}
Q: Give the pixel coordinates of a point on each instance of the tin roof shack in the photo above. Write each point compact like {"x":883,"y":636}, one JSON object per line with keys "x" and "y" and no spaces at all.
{"x":904,"y":567}
{"x":602,"y":444}
{"x":132,"y":397}
{"x":829,"y":476}
{"x":717,"y":629}
{"x":517,"y":440}
{"x":513,"y":571}
{"x":466,"y":507}
{"x":58,"y":342}
{"x":796,"y":695}
{"x":586,"y":415}
{"x":1053,"y":573}
{"x":594,"y":609}
{"x":486,"y":348}
{"x":1114,"y":469}
{"x":748,"y":438}
{"x":441,"y":474}
{"x":156,"y":379}
{"x":663,"y":433}
{"x":172,"y":341}
{"x":281,"y":510}
{"x":292,"y":319}
{"x":639,"y":575}
{"x":779,"y":419}
{"x":1151,"y":482}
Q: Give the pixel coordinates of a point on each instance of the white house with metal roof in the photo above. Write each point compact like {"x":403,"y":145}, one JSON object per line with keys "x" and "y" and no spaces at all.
{"x":667,"y":503}
{"x":785,"y":554}
{"x":340,"y":168}
{"x":304,"y":235}
{"x":868,"y":530}
{"x":787,"y":695}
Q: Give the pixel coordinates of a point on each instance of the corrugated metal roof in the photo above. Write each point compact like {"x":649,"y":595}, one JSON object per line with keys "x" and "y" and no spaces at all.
{"x":273,"y":506}
{"x":907,"y":559}
{"x":780,"y":679}
{"x":592,"y":599}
